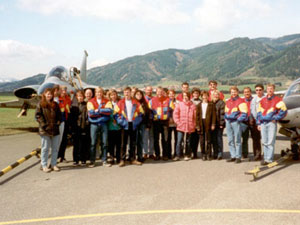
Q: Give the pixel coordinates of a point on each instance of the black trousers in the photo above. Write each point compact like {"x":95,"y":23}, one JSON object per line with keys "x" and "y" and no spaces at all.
{"x":80,"y":145}
{"x":205,"y":141}
{"x":114,"y":144}
{"x":161,"y":127}
{"x":132,"y":142}
{"x":195,"y":142}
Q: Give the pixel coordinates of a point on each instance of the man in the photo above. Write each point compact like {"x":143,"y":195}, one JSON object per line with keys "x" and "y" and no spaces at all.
{"x":235,"y":113}
{"x":98,"y":118}
{"x":271,"y":109}
{"x":88,"y":94}
{"x":128,"y":114}
{"x":184,"y":88}
{"x":161,"y":108}
{"x":245,"y":125}
{"x":255,"y":133}
{"x":213,"y":85}
{"x":148,"y":134}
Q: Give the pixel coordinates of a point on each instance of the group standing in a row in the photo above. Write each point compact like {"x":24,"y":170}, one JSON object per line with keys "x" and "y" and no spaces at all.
{"x":149,"y":123}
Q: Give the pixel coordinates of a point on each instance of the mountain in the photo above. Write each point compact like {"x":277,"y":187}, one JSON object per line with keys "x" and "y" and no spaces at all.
{"x":7,"y":79}
{"x":10,"y":86}
{"x":224,"y":59}
{"x":237,"y":61}
{"x":282,"y":42}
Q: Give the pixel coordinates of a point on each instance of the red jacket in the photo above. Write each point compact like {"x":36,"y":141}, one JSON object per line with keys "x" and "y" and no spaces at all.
{"x":98,"y":114}
{"x":161,"y":107}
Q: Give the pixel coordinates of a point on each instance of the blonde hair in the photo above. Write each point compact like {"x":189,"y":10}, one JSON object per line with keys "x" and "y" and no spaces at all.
{"x":99,"y":89}
{"x":213,"y":98}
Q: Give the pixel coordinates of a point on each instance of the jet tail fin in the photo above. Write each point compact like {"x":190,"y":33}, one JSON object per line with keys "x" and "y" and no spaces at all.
{"x":84,"y":67}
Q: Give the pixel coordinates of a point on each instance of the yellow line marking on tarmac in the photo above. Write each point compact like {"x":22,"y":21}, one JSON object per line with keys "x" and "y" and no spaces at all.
{"x":154,"y":212}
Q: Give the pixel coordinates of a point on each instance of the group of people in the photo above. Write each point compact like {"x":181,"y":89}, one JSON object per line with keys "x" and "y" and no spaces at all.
{"x":141,"y":126}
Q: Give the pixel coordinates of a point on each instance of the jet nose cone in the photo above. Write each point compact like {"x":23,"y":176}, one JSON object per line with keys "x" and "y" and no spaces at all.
{"x":292,"y":102}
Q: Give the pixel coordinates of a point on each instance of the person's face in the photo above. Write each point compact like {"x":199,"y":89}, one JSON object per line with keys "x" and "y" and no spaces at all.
{"x":80,"y":97}
{"x":216,"y":95}
{"x":148,"y":91}
{"x":259,"y":91}
{"x":185,"y":88}
{"x":247,"y":93}
{"x":196,"y":94}
{"x":138,"y":96}
{"x":270,"y":90}
{"x":56,"y":92}
{"x":164,"y":93}
{"x":88,"y":94}
{"x":185,"y":97}
{"x":204,"y":97}
{"x":63,"y":92}
{"x":213,"y":86}
{"x":234,"y":93}
{"x":48,"y":96}
{"x":171,"y":95}
{"x":113,"y":96}
{"x":127,"y":94}
{"x":99,"y":94}
{"x":159,"y":93}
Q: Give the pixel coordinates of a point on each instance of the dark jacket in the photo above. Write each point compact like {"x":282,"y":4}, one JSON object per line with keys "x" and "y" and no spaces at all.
{"x":220,"y":112}
{"x":49,"y":119}
{"x":147,"y":115}
{"x":79,"y":116}
{"x":210,"y":118}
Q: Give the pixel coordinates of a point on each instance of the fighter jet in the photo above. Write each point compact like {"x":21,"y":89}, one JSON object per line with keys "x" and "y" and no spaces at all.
{"x":29,"y":96}
{"x":290,"y":124}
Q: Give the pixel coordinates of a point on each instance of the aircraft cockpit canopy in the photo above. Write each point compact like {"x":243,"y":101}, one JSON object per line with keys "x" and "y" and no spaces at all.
{"x":293,"y":90}
{"x":60,"y":72}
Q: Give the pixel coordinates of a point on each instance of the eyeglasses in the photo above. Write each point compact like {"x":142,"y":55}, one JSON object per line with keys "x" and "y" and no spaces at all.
{"x":258,"y":89}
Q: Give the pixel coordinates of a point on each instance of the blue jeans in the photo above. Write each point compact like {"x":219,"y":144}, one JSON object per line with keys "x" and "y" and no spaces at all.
{"x":148,"y":141}
{"x":48,"y":142}
{"x":96,"y":131}
{"x":268,"y":137}
{"x":234,"y":132}
{"x":245,"y":137}
{"x":180,"y":136}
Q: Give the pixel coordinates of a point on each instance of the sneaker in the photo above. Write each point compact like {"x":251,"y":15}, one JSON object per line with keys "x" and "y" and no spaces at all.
{"x":122,"y":163}
{"x":264,"y":163}
{"x":92,"y":165}
{"x":107,"y":164}
{"x":238,"y":160}
{"x":46,"y":170}
{"x":186,"y":158}
{"x":230,"y":160}
{"x":56,"y":168}
{"x":135,"y":162}
{"x":176,"y":158}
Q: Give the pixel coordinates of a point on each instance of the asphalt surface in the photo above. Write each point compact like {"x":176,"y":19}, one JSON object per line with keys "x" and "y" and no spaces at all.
{"x":193,"y":192}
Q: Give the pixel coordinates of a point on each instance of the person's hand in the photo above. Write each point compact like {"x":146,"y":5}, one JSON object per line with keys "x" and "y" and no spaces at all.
{"x":221,"y":127}
{"x":212,"y":127}
{"x":259,"y":128}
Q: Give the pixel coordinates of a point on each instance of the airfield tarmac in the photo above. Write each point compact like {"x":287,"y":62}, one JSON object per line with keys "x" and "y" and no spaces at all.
{"x":194,"y":192}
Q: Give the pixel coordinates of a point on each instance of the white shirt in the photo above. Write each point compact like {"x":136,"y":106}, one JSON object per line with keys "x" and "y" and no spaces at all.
{"x":99,"y":101}
{"x":204,"y":108}
{"x":129,"y":110}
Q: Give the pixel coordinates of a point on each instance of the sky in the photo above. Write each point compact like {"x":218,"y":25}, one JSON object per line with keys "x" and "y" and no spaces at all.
{"x":36,"y":35}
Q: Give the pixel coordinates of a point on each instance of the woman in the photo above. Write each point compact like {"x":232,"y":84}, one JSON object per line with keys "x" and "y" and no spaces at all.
{"x":205,"y":123}
{"x":48,"y":116}
{"x":185,"y":118}
{"x":114,"y":130}
{"x":146,"y":123}
{"x":217,"y":134}
{"x":172,"y":126}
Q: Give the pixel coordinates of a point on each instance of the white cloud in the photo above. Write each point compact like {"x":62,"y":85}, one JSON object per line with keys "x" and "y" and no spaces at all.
{"x":2,"y":8}
{"x":159,"y":11}
{"x":218,"y":15}
{"x":98,"y":62}
{"x":11,"y":50}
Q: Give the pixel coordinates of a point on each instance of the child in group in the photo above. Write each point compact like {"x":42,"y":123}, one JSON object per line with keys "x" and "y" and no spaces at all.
{"x":185,"y":118}
{"x":217,"y":133}
{"x":79,"y":125}
{"x":172,"y":126}
{"x":205,"y":123}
